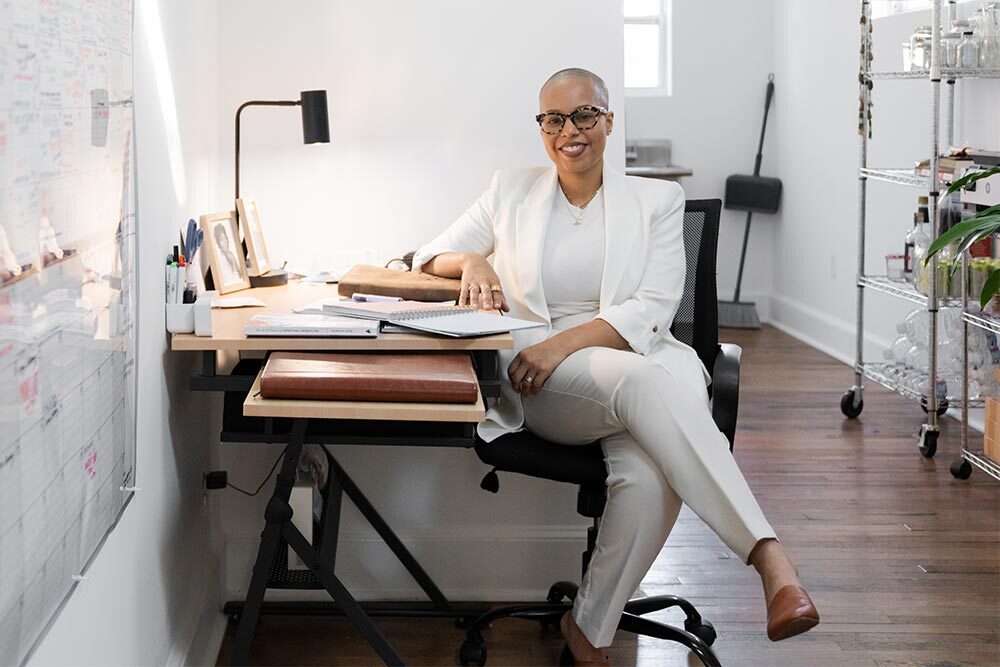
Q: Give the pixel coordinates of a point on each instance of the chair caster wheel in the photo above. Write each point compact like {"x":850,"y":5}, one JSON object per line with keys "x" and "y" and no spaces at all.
{"x":463,"y":622}
{"x":961,"y":469}
{"x":560,"y":590}
{"x":703,"y":630}
{"x":473,"y":652}
{"x":234,"y":619}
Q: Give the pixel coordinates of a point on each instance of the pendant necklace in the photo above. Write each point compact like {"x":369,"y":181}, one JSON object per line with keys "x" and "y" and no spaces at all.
{"x":578,"y":217}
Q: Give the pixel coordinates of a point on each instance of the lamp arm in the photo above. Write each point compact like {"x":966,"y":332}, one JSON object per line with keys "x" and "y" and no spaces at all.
{"x":254,"y":103}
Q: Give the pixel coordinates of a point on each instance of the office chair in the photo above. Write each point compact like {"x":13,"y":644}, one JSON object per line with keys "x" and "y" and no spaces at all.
{"x":696,"y":324}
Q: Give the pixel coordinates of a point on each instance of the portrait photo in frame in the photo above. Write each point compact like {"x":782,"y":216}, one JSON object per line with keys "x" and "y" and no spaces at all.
{"x":253,"y":235}
{"x":225,"y":253}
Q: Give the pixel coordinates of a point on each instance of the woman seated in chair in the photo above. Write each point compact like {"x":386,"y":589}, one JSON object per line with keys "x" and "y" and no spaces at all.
{"x":600,"y":258}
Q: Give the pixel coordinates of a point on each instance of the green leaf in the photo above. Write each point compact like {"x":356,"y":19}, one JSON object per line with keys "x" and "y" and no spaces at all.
{"x":969,"y":179}
{"x":977,"y":227}
{"x":992,"y":221}
{"x":991,"y":287}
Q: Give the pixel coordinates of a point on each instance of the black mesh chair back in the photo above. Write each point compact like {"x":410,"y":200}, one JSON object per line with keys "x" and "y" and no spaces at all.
{"x":697,"y":320}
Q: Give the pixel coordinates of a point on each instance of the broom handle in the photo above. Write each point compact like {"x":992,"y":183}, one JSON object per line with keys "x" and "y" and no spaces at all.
{"x":756,"y":172}
{"x":763,"y":127}
{"x":743,"y":255}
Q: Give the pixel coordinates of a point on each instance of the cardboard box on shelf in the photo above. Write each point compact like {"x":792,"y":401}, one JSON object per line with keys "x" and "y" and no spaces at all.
{"x":991,"y":436}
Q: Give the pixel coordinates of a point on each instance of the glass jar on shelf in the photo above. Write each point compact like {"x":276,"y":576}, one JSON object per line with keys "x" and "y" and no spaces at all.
{"x":987,"y":31}
{"x":920,"y":47}
{"x":921,"y":242}
{"x":949,"y":48}
{"x":968,"y":51}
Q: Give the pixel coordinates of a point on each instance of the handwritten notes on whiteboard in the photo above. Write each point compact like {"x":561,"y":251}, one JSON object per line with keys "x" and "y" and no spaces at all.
{"x":67,"y":299}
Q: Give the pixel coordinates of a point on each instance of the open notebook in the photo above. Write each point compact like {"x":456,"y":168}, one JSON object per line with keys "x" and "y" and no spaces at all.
{"x":456,"y":321}
{"x":295,"y":325}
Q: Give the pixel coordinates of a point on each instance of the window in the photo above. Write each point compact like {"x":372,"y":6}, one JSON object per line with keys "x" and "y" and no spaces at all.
{"x":882,"y":8}
{"x":647,"y":47}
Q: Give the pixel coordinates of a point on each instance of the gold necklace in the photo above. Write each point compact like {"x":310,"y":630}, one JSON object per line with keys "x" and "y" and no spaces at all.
{"x":583,"y":209}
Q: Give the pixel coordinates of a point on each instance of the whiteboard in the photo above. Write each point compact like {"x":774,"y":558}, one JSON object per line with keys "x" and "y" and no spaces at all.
{"x":67,"y":300}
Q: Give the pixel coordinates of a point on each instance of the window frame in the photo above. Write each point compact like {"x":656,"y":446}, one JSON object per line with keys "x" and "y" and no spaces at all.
{"x":664,"y":20}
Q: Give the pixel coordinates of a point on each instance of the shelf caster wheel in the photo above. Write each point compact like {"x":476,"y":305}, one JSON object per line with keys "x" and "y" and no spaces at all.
{"x":961,"y":469}
{"x":848,"y":406}
{"x":703,"y":630}
{"x":473,"y":652}
{"x":927,"y":442}
{"x":942,"y":407}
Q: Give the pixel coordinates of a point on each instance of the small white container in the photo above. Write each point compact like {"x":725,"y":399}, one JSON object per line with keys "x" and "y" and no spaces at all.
{"x":203,"y":313}
{"x":180,"y":317}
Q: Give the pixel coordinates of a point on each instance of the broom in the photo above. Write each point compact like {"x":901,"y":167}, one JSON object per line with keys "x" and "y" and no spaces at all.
{"x":753,"y":194}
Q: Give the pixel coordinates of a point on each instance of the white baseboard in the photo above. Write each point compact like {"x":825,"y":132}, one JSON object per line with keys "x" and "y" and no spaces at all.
{"x":818,"y":329}
{"x":829,"y":334}
{"x":206,"y":625}
{"x":485,"y":562}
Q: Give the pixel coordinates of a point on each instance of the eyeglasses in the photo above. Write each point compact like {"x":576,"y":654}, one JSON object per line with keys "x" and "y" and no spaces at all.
{"x":584,"y":118}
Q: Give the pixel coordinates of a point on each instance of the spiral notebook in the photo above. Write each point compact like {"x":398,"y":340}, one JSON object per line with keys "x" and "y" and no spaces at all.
{"x":455,"y":321}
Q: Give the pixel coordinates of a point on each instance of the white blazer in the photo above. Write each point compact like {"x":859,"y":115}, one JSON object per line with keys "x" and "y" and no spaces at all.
{"x":641,"y":285}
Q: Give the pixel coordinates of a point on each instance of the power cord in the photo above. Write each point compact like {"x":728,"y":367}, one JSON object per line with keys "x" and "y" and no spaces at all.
{"x":261,"y":486}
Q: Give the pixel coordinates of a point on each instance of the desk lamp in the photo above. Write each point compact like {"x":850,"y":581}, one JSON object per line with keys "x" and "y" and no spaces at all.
{"x":315,"y":130}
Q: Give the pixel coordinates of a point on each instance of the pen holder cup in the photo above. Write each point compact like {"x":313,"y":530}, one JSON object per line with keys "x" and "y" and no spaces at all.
{"x":180,"y":317}
{"x":203,"y":313}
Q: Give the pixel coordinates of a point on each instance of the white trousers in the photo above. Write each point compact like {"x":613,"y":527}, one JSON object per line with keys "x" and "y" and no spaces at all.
{"x":661,"y":447}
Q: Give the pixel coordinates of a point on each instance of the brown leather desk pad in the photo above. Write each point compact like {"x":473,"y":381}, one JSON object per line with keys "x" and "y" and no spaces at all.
{"x":345,"y":376}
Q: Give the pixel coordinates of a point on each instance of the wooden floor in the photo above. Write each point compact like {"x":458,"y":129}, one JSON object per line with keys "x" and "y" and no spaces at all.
{"x":902,"y":560}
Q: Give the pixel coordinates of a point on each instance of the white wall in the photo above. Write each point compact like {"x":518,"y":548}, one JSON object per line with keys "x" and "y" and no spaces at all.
{"x":816,"y":231}
{"x":722,"y":51}
{"x":426,"y":101}
{"x":145,"y":593}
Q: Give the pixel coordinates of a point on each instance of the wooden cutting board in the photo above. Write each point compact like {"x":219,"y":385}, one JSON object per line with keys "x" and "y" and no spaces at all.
{"x":406,"y":284}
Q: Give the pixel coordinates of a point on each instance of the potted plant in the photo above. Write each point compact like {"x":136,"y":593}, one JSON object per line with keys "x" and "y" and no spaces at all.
{"x":967,"y":232}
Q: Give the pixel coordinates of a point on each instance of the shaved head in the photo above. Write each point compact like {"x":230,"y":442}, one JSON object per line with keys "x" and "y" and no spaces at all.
{"x":600,"y":88}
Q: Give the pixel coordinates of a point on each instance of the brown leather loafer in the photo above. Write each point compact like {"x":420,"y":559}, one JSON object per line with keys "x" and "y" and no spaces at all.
{"x":790,"y":613}
{"x":566,"y":658}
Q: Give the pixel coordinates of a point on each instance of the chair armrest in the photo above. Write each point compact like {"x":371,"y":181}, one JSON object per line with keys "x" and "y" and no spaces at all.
{"x":726,"y":389}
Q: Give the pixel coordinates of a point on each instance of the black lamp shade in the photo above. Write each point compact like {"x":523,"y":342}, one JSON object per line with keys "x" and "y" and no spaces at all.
{"x":315,"y":118}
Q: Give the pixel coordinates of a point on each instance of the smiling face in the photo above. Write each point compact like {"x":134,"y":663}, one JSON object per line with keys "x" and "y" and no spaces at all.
{"x":575,"y":151}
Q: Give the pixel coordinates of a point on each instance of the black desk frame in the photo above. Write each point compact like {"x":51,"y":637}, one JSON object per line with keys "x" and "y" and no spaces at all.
{"x":321,"y":562}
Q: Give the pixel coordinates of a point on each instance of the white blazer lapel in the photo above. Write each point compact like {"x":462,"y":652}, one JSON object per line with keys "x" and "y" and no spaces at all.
{"x":622,"y":232}
{"x":532,"y":222}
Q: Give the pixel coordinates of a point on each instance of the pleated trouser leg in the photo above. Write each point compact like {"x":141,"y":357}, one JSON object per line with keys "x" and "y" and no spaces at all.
{"x":661,"y":447}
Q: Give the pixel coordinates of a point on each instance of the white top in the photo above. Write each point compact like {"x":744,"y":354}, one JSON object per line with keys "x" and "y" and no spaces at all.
{"x":573,"y":261}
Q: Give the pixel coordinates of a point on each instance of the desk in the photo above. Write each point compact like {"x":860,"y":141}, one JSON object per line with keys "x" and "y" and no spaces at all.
{"x":330,"y":423}
{"x":665,"y":173}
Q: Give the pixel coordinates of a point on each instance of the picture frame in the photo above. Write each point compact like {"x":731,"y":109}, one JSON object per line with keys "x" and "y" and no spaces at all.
{"x":253,"y":235}
{"x":225,"y":253}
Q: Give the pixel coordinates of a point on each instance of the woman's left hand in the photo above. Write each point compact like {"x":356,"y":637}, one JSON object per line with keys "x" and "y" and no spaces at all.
{"x":534,"y":364}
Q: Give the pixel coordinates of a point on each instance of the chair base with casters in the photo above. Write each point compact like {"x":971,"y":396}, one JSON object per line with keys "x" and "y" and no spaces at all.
{"x":526,"y":453}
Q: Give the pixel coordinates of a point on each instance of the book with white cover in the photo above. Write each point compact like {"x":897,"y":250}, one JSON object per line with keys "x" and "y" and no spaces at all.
{"x":276,"y":324}
{"x":456,"y":321}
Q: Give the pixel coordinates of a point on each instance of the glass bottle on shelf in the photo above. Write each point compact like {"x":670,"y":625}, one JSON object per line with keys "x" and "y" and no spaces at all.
{"x":988,"y":32}
{"x":920,"y":47}
{"x":968,"y":52}
{"x":921,"y":242}
{"x":949,"y":48}
{"x":909,"y":243}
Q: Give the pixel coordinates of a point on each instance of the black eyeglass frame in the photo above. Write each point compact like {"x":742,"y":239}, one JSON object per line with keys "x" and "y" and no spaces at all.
{"x":601,"y":111}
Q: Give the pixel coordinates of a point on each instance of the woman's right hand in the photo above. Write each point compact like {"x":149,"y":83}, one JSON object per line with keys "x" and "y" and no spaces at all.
{"x":477,"y":279}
